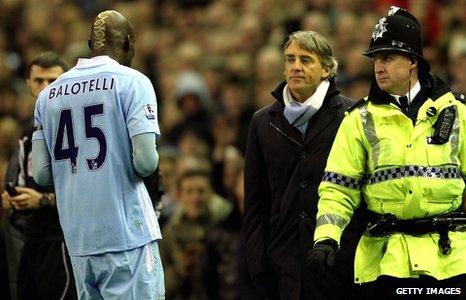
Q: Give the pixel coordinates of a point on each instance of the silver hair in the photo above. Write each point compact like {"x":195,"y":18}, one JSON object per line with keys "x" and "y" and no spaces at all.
{"x":313,"y":42}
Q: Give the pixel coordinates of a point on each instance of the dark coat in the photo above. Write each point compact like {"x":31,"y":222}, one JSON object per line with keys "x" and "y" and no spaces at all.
{"x":283,"y":171}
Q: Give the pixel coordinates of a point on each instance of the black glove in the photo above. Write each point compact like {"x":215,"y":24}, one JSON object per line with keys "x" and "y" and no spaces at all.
{"x":265,"y":285}
{"x":320,"y":258}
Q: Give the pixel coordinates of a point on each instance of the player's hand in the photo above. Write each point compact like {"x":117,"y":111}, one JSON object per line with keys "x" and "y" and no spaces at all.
{"x":6,"y":200}
{"x":27,"y":198}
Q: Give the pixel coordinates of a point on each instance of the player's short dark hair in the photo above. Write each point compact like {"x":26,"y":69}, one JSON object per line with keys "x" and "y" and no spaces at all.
{"x":47,"y":60}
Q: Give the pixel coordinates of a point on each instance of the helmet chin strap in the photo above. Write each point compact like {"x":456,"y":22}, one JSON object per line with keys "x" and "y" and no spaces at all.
{"x":409,"y":89}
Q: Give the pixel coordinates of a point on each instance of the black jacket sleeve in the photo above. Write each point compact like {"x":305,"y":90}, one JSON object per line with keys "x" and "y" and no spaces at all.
{"x":12,"y":170}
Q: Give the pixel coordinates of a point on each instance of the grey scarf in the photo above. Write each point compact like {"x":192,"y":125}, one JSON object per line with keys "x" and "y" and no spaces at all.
{"x":299,"y":114}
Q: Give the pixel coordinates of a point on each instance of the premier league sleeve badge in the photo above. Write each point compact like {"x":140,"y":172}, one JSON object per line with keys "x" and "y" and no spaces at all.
{"x":149,"y":110}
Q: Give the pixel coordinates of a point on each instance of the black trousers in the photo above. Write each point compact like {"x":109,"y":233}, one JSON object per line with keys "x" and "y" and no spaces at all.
{"x":425,"y":287}
{"x":45,"y":272}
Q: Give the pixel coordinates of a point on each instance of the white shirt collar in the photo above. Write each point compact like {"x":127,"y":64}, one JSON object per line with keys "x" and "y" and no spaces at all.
{"x":411,"y":94}
{"x":315,"y":100}
{"x":95,"y":61}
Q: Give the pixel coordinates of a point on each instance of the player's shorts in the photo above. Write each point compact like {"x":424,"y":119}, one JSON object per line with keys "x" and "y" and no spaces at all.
{"x":133,"y":274}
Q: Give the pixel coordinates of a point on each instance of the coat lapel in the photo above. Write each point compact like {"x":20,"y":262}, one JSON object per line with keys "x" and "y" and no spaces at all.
{"x":278,"y":120}
{"x":323,"y":118}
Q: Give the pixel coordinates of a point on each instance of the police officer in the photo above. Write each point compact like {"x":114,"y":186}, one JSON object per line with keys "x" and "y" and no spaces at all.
{"x":405,"y":154}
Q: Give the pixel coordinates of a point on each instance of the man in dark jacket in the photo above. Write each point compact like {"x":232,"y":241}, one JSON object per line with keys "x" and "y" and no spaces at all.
{"x":44,"y":270}
{"x":287,"y":149}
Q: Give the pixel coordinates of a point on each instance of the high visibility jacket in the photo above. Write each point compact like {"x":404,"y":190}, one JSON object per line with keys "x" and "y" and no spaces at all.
{"x":380,"y":155}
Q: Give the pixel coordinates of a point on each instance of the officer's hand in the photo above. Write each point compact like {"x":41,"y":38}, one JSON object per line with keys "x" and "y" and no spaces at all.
{"x":320,"y":258}
{"x":265,"y":285}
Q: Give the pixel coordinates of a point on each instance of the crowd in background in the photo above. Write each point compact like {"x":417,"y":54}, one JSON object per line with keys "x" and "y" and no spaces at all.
{"x":212,"y":63}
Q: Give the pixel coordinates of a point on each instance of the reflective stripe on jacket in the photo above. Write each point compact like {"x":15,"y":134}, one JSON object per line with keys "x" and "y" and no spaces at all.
{"x":381,"y":155}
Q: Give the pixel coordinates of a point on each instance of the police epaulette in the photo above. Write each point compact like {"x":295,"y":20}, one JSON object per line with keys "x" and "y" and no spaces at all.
{"x":460,"y":97}
{"x":357,"y":104}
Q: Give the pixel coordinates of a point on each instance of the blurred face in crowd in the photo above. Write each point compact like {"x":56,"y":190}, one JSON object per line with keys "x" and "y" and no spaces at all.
{"x":190,"y":143}
{"x":41,"y":77}
{"x":167,"y":172}
{"x":191,"y":105}
{"x":393,"y":72}
{"x":303,"y":71}
{"x":239,"y":191}
{"x":194,"y":193}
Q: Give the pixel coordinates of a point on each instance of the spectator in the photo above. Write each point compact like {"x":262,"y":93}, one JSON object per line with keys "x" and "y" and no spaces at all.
{"x":184,"y":233}
{"x":194,"y":102}
{"x":168,"y":157}
{"x":221,"y":272}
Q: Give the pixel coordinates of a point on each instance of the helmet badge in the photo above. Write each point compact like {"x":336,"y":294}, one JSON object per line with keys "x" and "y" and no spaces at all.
{"x":392,"y":11}
{"x":379,"y":29}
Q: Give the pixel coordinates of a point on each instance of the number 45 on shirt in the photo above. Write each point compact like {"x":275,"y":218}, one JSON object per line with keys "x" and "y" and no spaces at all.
{"x":65,"y":125}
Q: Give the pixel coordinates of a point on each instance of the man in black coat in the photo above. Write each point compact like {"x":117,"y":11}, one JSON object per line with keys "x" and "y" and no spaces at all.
{"x":287,"y":149}
{"x":44,"y":270}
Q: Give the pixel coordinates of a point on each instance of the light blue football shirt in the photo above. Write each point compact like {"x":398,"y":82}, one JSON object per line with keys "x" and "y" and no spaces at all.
{"x":87,"y":118}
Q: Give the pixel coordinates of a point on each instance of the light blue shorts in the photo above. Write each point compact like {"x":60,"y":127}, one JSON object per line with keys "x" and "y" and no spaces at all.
{"x":133,"y":274}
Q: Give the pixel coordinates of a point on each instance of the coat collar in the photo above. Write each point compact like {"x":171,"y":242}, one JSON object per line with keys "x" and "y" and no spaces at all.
{"x":433,"y":87}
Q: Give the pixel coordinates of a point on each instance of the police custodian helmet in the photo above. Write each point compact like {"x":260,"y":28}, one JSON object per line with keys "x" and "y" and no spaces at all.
{"x":399,"y":31}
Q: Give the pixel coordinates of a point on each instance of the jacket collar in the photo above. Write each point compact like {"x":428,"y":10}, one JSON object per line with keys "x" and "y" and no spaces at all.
{"x":433,"y":87}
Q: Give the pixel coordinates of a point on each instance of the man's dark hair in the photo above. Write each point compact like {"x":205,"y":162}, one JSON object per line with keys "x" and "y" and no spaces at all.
{"x":47,"y":60}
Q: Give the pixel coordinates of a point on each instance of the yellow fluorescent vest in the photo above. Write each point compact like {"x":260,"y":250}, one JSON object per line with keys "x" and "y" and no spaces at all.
{"x":379,"y":154}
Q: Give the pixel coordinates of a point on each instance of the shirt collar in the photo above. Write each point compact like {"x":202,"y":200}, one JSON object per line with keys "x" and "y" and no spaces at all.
{"x":95,"y":61}
{"x":411,"y":94}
